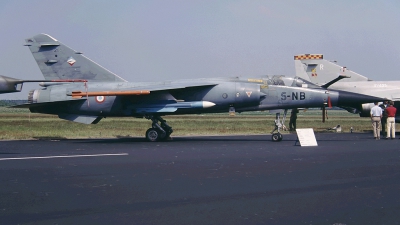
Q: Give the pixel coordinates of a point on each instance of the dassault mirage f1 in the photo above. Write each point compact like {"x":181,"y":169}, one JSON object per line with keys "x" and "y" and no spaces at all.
{"x":315,"y":69}
{"x":77,"y":89}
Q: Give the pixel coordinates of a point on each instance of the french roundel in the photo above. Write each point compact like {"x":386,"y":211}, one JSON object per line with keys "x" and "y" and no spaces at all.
{"x":100,"y":99}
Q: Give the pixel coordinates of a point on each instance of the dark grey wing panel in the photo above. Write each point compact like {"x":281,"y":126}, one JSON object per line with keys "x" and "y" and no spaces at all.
{"x":32,"y":105}
{"x":173,"y":86}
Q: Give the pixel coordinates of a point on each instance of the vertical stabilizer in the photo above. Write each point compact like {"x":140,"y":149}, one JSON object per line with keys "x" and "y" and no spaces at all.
{"x":314,"y":68}
{"x":58,"y":61}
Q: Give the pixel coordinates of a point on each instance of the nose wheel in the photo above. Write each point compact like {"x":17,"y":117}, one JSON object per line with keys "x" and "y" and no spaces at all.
{"x":277,"y":137}
{"x":278,"y":126}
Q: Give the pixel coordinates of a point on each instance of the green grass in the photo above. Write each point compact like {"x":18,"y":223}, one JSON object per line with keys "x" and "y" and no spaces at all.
{"x":20,"y":124}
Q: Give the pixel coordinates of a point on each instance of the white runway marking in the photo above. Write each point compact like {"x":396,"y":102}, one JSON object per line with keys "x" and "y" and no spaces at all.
{"x":63,"y":156}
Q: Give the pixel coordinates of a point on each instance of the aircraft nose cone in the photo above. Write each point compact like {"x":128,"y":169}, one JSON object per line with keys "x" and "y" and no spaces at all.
{"x":350,"y":98}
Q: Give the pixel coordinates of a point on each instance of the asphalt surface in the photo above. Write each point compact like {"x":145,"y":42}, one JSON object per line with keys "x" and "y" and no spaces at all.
{"x":346,"y":179}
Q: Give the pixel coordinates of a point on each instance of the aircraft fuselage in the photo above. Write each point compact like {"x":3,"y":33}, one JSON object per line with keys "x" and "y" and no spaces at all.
{"x":219,"y":96}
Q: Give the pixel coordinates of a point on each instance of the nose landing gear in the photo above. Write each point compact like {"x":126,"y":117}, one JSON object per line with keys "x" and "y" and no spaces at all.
{"x":278,"y":126}
{"x":277,"y":137}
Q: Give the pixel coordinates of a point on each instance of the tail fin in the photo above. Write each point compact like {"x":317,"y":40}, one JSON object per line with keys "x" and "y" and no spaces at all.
{"x":58,"y":61}
{"x":314,"y":68}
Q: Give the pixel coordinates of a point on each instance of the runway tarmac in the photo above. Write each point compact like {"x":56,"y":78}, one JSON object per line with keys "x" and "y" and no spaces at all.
{"x":346,"y":179}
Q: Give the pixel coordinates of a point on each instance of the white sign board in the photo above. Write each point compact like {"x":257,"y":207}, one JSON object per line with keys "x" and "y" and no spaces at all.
{"x":306,"y":137}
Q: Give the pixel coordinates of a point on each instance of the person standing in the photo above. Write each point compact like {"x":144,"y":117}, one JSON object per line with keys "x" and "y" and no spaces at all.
{"x":293,"y":118}
{"x":391,"y":113}
{"x":384,"y":116}
{"x":376,"y":116}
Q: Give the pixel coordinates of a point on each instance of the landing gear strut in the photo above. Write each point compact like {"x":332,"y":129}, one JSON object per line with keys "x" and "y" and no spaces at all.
{"x":158,"y":132}
{"x":278,"y":126}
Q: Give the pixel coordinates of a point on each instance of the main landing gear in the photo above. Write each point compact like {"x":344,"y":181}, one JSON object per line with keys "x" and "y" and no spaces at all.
{"x":278,"y":126}
{"x":158,"y":132}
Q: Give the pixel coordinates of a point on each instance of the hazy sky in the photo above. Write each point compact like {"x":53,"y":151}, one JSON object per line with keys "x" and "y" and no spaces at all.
{"x":165,"y":40}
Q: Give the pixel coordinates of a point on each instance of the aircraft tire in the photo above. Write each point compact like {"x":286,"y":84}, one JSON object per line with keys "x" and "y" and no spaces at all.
{"x":152,"y":135}
{"x":276,"y":137}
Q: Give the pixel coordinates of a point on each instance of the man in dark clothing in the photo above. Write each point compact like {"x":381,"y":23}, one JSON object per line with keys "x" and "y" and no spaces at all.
{"x":293,"y":118}
{"x":384,"y":116}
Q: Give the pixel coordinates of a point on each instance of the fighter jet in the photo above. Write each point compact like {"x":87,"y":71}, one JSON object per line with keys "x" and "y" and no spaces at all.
{"x":315,"y":69}
{"x":77,"y":89}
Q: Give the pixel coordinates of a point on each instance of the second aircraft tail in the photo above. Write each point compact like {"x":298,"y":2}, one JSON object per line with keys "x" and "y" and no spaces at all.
{"x":314,"y":68}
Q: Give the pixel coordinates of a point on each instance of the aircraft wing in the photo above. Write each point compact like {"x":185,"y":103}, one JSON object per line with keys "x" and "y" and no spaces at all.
{"x":171,"y":86}
{"x":141,"y":89}
{"x":128,"y":92}
{"x":179,"y":85}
